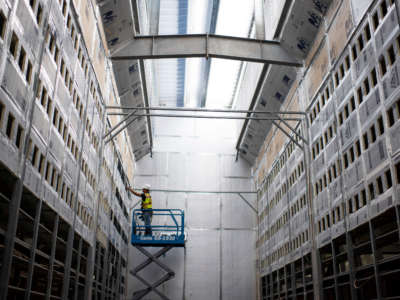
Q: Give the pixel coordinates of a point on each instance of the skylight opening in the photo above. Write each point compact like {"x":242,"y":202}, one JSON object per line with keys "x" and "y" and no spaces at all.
{"x":224,"y":73}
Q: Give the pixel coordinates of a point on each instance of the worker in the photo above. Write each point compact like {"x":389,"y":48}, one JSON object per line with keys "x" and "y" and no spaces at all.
{"x":147,"y":207}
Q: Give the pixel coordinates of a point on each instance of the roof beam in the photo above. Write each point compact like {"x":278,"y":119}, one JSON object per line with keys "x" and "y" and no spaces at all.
{"x":205,"y":45}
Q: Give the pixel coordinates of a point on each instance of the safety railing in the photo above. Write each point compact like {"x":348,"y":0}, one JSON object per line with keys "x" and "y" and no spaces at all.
{"x":166,"y":228}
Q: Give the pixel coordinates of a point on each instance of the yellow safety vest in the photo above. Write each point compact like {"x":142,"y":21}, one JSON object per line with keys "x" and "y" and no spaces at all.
{"x":147,"y":203}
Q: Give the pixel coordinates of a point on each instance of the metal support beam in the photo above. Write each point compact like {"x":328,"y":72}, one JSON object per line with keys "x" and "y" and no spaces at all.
{"x":78,"y":270}
{"x":71,"y":229}
{"x":335,"y":270}
{"x":91,"y":259}
{"x":293,"y":130}
{"x":97,"y":271}
{"x":122,"y":128}
{"x":316,"y":274}
{"x":248,"y":203}
{"x":119,"y":275}
{"x":138,"y":115}
{"x":32,"y":256}
{"x":52,"y":257}
{"x":201,"y":192}
{"x":352,"y":273}
{"x":119,"y":123}
{"x":205,"y":45}
{"x":374,"y":259}
{"x":288,"y":112}
{"x":293,"y":279}
{"x":104,"y":276}
{"x":271,"y":116}
{"x":287,"y":134}
{"x":205,"y":117}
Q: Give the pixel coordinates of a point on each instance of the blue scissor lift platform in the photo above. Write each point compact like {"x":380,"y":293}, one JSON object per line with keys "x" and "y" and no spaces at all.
{"x":167,"y":232}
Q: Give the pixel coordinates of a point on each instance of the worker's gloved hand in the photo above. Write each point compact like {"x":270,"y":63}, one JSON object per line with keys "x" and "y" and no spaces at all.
{"x":127,"y":188}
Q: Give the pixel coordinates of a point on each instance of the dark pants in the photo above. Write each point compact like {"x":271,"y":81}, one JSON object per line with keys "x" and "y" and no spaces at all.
{"x":147,"y":215}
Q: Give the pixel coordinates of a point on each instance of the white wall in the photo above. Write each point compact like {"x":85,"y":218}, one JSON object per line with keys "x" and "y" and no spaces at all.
{"x":219,"y":259}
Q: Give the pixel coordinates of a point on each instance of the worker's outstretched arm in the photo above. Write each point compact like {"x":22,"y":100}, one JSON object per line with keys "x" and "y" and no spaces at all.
{"x":133,"y":191}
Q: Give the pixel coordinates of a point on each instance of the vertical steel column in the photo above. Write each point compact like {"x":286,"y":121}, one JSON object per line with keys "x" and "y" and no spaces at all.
{"x":52,"y":257}
{"x":78,"y":267}
{"x":287,"y":175}
{"x":397,"y":208}
{"x":118,"y":276}
{"x":373,"y":246}
{"x":9,"y":239}
{"x":105,"y":271}
{"x":286,"y":286}
{"x":115,"y":276}
{"x":126,"y":271}
{"x":71,"y":231}
{"x":271,"y":284}
{"x":279,"y":283}
{"x":304,"y":278}
{"x":335,"y":271}
{"x":98,"y":253}
{"x":119,"y":272}
{"x":33,"y":250}
{"x":350,"y":256}
{"x":259,"y":287}
{"x":220,"y":249}
{"x":110,"y":278}
{"x":92,"y":249}
{"x":293,"y":276}
{"x":320,"y":278}
{"x":316,"y":274}
{"x":105,"y":259}
{"x":91,"y":258}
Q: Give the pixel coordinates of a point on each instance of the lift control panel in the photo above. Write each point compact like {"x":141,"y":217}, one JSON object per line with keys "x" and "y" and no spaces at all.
{"x":167,"y":228}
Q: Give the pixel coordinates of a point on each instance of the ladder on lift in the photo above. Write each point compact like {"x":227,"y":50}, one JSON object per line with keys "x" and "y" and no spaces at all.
{"x":165,"y":237}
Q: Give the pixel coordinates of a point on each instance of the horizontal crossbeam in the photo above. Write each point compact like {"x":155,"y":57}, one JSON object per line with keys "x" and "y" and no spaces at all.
{"x":205,"y":45}
{"x":266,"y":118}
{"x":200,"y":192}
{"x":240,"y":111}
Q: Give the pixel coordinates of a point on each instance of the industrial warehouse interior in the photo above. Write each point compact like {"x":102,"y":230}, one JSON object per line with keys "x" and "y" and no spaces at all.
{"x":202,"y":149}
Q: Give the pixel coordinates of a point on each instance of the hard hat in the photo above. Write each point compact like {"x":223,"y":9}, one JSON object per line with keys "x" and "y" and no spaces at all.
{"x":146,"y":186}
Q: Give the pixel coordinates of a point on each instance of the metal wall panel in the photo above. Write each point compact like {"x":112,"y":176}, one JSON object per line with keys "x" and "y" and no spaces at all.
{"x":238,"y":280}
{"x":203,"y":265}
{"x":202,"y":162}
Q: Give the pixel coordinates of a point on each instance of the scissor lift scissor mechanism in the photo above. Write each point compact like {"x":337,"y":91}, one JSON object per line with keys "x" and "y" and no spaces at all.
{"x":167,"y":236}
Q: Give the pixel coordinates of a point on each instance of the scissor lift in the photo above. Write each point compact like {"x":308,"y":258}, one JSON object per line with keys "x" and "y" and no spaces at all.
{"x":166,"y":236}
